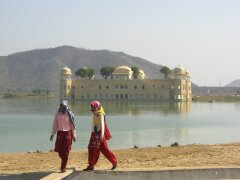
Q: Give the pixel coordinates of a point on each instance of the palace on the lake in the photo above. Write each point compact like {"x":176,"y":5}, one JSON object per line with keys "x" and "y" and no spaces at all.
{"x":122,"y":86}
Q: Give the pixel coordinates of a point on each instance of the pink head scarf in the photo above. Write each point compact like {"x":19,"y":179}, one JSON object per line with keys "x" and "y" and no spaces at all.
{"x":95,"y":105}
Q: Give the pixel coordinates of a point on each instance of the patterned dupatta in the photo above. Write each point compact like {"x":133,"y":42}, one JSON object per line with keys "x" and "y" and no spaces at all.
{"x":107,"y":132}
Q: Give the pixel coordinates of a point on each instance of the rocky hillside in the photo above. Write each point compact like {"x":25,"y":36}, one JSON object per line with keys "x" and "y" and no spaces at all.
{"x":40,"y":68}
{"x":235,"y":83}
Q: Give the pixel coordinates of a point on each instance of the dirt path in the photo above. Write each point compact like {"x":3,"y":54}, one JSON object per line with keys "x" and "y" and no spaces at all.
{"x":220,"y":155}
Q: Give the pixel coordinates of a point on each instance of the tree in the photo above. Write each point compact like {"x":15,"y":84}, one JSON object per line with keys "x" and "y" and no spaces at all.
{"x":135,"y":71}
{"x":36,"y":91}
{"x":90,"y":73}
{"x":85,"y":72}
{"x":47,"y":92}
{"x":82,"y":72}
{"x":166,"y":71}
{"x":112,"y":69}
{"x":106,"y":71}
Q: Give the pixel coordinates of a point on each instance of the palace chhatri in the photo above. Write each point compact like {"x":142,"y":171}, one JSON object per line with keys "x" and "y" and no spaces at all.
{"x":122,"y":86}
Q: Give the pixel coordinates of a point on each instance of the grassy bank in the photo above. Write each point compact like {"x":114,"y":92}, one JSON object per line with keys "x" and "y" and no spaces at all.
{"x":216,"y":98}
{"x":26,"y":95}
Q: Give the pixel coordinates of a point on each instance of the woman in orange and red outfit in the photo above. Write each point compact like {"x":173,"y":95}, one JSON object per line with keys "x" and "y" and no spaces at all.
{"x":99,"y":136}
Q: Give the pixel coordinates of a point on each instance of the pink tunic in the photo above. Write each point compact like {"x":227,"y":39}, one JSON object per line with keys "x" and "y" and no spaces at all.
{"x":62,"y":123}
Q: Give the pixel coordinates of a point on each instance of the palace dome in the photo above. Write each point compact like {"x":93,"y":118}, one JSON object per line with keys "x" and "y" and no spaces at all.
{"x":66,"y":71}
{"x":188,"y":73}
{"x":122,"y":70}
{"x":141,"y":72}
{"x":179,"y":70}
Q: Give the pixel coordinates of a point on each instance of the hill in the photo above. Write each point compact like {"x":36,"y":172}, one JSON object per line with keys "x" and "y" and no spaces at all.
{"x":235,"y":83}
{"x":40,"y":68}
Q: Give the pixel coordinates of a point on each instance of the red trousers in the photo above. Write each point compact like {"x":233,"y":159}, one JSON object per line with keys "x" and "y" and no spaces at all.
{"x":95,"y":147}
{"x":63,"y":146}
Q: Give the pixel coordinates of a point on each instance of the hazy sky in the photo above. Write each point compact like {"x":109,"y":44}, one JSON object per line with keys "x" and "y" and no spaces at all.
{"x":201,"y":35}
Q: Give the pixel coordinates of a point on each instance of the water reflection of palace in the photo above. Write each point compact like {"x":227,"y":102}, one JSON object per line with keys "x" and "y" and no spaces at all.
{"x":134,"y":107}
{"x":183,"y":107}
{"x":122,"y":86}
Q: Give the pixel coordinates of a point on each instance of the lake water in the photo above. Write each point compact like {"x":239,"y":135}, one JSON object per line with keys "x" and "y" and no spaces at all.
{"x":25,"y":124}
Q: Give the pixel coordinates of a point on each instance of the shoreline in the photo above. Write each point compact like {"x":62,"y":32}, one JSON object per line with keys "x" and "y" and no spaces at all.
{"x":150,"y":158}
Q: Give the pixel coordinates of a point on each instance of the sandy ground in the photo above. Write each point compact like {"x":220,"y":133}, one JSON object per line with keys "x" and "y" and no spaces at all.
{"x":189,"y":156}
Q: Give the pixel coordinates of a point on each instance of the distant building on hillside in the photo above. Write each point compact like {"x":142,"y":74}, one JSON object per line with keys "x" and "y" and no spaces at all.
{"x":122,"y":86}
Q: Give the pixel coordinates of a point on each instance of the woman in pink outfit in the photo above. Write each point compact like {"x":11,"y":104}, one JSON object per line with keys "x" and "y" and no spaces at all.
{"x":64,"y":125}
